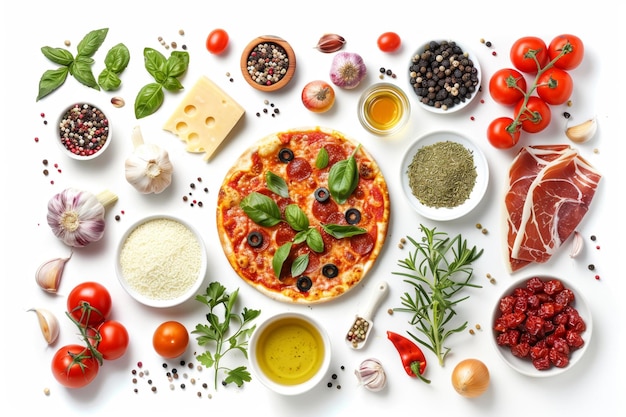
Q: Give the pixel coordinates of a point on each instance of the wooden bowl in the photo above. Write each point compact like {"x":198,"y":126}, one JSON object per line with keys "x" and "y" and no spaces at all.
{"x":291,"y":66}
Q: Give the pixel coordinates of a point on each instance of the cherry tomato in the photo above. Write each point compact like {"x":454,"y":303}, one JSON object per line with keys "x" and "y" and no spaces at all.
{"x":525,"y":50}
{"x":89,"y":303}
{"x":113,"y":341}
{"x":73,"y":366}
{"x":536,"y":116}
{"x":170,"y":339}
{"x":318,"y":96}
{"x":555,"y":86}
{"x":389,"y":42}
{"x":217,"y":41}
{"x":502,"y":134}
{"x":573,"y":48}
{"x":507,"y":86}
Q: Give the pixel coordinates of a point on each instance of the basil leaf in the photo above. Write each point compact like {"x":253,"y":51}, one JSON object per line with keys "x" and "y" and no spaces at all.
{"x":314,"y":240}
{"x":177,"y":64}
{"x":91,"y":42}
{"x":322,"y":159}
{"x":148,"y":100}
{"x":108,"y":80}
{"x":154,"y":62}
{"x":81,"y":70}
{"x":340,"y":231}
{"x":299,"y":265}
{"x":300,"y":237}
{"x":51,"y":80}
{"x":117,"y":58}
{"x":343,"y":179}
{"x":261,"y":209}
{"x":296,"y":218}
{"x":58,"y":55}
{"x":280,"y":257}
{"x":276,"y":184}
{"x":171,"y":84}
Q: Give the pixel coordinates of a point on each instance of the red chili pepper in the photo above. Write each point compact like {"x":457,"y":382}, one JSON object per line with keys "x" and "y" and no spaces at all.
{"x":412,"y":356}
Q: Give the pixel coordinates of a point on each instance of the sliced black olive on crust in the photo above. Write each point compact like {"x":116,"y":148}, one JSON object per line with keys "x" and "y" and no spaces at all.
{"x":322,"y":194}
{"x":330,"y":270}
{"x":285,"y":155}
{"x":353,"y":216}
{"x":304,"y":283}
{"x":255,"y":239}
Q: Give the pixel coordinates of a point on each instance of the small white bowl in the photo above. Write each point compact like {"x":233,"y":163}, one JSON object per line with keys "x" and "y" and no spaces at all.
{"x":70,"y":122}
{"x":524,"y":365}
{"x":391,"y":100}
{"x":285,"y":340}
{"x":458,"y":106}
{"x":149,"y":277}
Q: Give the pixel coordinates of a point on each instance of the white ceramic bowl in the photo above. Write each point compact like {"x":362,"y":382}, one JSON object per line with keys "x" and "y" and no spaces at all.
{"x":524,"y":365}
{"x":384,"y":109}
{"x":161,"y":261}
{"x":283,"y":342}
{"x":69,"y":123}
{"x":480,"y":187}
{"x":463,"y":104}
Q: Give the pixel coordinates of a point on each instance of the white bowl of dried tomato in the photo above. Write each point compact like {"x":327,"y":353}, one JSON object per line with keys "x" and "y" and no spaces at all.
{"x":541,"y":326}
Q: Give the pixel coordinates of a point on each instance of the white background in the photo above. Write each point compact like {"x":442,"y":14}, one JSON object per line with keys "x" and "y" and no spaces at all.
{"x":28,"y":240}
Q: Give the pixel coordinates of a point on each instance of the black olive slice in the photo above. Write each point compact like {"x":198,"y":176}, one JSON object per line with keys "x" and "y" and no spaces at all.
{"x":322,"y":194}
{"x":304,"y":283}
{"x":285,"y":155}
{"x":353,"y":216}
{"x":255,"y":239}
{"x":330,"y":270}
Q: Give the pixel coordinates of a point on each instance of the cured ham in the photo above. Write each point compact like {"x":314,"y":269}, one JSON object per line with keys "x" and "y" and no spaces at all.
{"x":550,"y":190}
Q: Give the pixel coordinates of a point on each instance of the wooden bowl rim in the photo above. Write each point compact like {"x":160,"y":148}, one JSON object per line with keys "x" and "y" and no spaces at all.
{"x":290,"y":69}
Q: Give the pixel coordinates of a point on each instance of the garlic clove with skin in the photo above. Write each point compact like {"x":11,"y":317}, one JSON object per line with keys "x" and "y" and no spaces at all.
{"x":49,"y":273}
{"x":582,"y":132}
{"x":149,"y":168}
{"x":371,"y":375}
{"x":48,"y":324}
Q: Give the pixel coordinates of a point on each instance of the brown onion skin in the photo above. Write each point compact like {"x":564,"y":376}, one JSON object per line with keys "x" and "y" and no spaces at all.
{"x":470,"y":378}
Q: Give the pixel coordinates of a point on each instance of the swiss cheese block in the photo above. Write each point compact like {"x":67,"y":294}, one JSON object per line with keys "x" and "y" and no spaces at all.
{"x":204,"y":118}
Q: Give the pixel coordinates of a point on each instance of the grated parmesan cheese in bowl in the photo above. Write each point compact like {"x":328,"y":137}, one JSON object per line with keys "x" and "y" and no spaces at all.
{"x":161,"y":261}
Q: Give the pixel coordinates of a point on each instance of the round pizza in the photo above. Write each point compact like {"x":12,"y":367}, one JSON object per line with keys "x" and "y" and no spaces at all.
{"x":302,"y":215}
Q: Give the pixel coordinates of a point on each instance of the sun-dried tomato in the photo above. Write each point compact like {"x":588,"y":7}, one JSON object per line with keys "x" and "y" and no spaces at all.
{"x":553,"y":286}
{"x":535,"y":284}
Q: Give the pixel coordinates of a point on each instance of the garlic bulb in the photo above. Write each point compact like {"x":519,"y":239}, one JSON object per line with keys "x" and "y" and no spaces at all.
{"x":371,"y":374}
{"x":48,"y":323}
{"x":148,"y":169}
{"x":347,"y":70}
{"x":49,"y":274}
{"x":77,"y":217}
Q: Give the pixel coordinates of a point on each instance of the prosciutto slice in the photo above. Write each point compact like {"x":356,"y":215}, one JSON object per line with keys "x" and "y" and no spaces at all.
{"x":550,"y":190}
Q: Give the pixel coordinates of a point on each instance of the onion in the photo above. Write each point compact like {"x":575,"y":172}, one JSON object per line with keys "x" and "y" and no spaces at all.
{"x":470,"y":378}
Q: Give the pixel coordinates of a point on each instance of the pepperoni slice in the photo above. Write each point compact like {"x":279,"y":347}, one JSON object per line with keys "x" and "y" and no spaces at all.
{"x":362,"y":244}
{"x":322,"y":211}
{"x":336,"y":153}
{"x":299,"y":169}
{"x":284,"y":234}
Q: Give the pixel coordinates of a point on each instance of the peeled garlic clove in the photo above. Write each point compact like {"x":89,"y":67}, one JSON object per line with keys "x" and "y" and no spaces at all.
{"x":582,"y":132}
{"x":371,"y":374}
{"x":577,"y":245}
{"x":48,"y":323}
{"x":49,"y":274}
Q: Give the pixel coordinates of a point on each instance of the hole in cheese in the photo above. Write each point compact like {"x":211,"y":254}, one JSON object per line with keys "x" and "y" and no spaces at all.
{"x":209,"y":121}
{"x":190,"y":110}
{"x":181,"y":127}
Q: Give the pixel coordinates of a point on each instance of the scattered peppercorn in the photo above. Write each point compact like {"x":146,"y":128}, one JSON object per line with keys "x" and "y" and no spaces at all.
{"x":488,"y":44}
{"x":591,"y":267}
{"x":593,"y":238}
{"x":566,"y":115}
{"x":471,"y":331}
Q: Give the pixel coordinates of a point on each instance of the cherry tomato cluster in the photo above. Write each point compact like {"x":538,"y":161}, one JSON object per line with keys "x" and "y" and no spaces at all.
{"x":89,"y":307}
{"x":552,"y":85}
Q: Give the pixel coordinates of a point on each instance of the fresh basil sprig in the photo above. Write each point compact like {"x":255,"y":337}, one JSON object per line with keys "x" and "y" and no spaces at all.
{"x":165,"y":72}
{"x":343,"y":178}
{"x":115,"y":62}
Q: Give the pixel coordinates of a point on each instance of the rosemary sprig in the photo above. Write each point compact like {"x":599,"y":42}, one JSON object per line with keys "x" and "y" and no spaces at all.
{"x":439,"y":268}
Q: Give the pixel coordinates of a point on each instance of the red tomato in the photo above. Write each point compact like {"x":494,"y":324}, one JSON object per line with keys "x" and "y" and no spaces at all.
{"x":536,"y":116}
{"x":170,"y":339}
{"x":507,"y":86}
{"x":89,"y":303}
{"x":526,"y":52}
{"x":389,"y":42}
{"x":555,"y":86}
{"x":572,"y":48}
{"x":113,"y":340}
{"x":318,"y":96}
{"x":217,"y":41}
{"x":502,"y":134}
{"x":74,"y":366}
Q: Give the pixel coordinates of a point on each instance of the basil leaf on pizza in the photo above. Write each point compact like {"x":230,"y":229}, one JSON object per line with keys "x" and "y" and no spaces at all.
{"x":276,"y":184}
{"x":299,"y":265}
{"x":343,"y":178}
{"x":261,"y":209}
{"x":280,"y":257}
{"x":296,"y":218}
{"x":342,"y":231}
{"x":322,"y":159}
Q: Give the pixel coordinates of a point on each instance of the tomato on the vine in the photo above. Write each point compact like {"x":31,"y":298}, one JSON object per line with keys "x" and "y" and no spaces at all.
{"x":574,"y":51}
{"x":555,"y":86}
{"x":113,"y":340}
{"x":170,"y":339}
{"x":389,"y":42}
{"x":89,"y":303}
{"x":502,"y":134}
{"x":507,"y":86}
{"x":527,"y":52}
{"x":74,"y":366}
{"x":217,"y":41}
{"x":535,"y":116}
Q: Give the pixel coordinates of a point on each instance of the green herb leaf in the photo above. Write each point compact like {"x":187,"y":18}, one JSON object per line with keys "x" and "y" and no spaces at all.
{"x":280,"y":257}
{"x":276,"y":184}
{"x":299,"y":265}
{"x":148,"y":100}
{"x":314,"y":240}
{"x":154,"y":62}
{"x":206,"y":359}
{"x":81,"y":70}
{"x":108,"y":80}
{"x":92,"y":41}
{"x":300,"y":237}
{"x":261,"y":209}
{"x":58,"y":55}
{"x":177,"y":64}
{"x":172,"y":84}
{"x":296,"y":217}
{"x":51,"y":80}
{"x":238,"y":376}
{"x":322,"y":159}
{"x":343,"y":178}
{"x":117,"y":58}
{"x":342,"y":231}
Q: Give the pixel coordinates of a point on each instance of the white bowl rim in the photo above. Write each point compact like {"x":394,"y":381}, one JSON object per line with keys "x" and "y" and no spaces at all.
{"x":64,"y":149}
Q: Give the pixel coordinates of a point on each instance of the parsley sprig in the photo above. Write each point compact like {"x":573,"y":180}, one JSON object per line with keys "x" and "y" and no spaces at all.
{"x":441,"y":272}
{"x":219,"y":334}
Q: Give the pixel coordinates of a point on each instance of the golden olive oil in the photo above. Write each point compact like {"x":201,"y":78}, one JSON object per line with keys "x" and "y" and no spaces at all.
{"x":290,"y":351}
{"x":383,"y":110}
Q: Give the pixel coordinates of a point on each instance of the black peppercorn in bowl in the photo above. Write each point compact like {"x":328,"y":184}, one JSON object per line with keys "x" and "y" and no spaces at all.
{"x":268,"y":63}
{"x":84,"y":131}
{"x":444,"y":75}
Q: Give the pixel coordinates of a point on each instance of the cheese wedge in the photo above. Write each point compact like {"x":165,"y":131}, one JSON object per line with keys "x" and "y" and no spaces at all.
{"x":204,"y":118}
